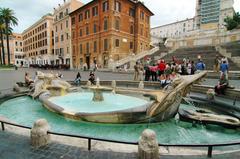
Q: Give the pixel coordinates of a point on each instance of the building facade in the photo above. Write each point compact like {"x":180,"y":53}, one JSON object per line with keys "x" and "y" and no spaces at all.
{"x":19,"y":56}
{"x":211,"y":13}
{"x":107,"y":30}
{"x":38,"y":42}
{"x":62,"y":31}
{"x":174,"y":30}
{"x":16,"y":49}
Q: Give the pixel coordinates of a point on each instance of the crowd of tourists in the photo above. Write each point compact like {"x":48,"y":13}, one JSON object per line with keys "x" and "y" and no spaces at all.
{"x":164,"y":71}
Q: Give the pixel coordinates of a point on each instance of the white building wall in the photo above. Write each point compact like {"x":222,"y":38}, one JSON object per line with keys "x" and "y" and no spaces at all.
{"x":173,"y":30}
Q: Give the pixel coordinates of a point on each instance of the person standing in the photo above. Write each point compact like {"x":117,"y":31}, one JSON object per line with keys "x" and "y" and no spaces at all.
{"x":136,"y":72}
{"x":200,"y":66}
{"x":224,"y":68}
{"x":161,"y":68}
{"x":141,"y":71}
{"x":217,"y":64}
{"x":147,"y":70}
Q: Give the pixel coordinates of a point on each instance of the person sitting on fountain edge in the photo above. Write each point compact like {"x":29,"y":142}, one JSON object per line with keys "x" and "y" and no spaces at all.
{"x":222,"y":84}
{"x":78,"y":79}
{"x":92,"y":78}
{"x":28,"y":79}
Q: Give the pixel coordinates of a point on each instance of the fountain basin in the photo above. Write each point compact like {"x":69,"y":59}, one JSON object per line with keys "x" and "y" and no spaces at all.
{"x":115,"y":108}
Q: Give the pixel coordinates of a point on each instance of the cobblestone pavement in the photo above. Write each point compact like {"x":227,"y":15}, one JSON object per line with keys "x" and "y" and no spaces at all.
{"x":13,"y":146}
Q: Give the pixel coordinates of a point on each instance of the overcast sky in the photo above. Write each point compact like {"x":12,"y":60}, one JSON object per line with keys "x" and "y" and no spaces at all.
{"x":166,"y":11}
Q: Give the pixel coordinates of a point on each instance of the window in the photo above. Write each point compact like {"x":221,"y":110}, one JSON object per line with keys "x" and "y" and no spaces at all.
{"x":56,"y":39}
{"x":73,"y":20}
{"x":67,"y":11}
{"x":105,"y":44}
{"x":105,"y":24}
{"x":80,"y":32}
{"x":142,"y":15}
{"x":67,"y":36}
{"x":117,"y":6}
{"x":87,"y":14}
{"x":87,"y":48}
{"x":67,"y":50}
{"x":62,"y":38}
{"x":61,"y":15}
{"x":117,"y":24}
{"x":131,"y":29}
{"x":80,"y":17}
{"x":80,"y":49}
{"x":131,"y":45}
{"x":61,"y":26}
{"x":95,"y":11}
{"x":105,"y":6}
{"x":95,"y":28}
{"x":56,"y":29}
{"x":117,"y":43}
{"x":131,"y":12}
{"x":66,"y":23}
{"x":87,"y":30}
{"x":95,"y":46}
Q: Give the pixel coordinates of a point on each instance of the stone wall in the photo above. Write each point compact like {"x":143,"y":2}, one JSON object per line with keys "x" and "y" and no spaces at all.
{"x":200,"y":38}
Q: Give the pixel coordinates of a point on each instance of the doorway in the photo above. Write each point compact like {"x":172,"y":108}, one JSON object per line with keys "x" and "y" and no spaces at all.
{"x":88,"y":61}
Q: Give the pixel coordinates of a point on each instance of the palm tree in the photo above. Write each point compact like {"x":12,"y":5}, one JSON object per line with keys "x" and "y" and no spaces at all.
{"x":9,"y":20}
{"x":2,"y":55}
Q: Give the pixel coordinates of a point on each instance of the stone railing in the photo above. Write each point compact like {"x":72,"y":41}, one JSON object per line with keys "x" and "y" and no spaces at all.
{"x":133,"y":57}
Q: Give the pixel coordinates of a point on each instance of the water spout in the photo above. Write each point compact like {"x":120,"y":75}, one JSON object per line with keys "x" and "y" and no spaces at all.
{"x":98,"y":82}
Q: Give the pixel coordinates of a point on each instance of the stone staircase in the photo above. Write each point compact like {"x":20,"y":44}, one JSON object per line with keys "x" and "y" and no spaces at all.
{"x":232,"y":51}
{"x":208,"y":54}
{"x":133,"y":58}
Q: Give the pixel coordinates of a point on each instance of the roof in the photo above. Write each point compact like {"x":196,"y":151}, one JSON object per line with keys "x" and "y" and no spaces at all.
{"x":181,"y":21}
{"x":132,"y":1}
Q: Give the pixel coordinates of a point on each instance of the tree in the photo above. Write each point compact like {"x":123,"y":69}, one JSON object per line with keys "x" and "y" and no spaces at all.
{"x":9,"y":20}
{"x":232,"y":23}
{"x":2,"y":55}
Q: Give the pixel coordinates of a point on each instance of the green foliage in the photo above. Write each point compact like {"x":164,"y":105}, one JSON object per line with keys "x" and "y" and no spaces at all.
{"x":8,"y":19}
{"x":232,"y":23}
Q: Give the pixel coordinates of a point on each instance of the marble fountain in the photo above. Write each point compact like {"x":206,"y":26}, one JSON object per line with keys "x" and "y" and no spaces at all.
{"x":101,"y":104}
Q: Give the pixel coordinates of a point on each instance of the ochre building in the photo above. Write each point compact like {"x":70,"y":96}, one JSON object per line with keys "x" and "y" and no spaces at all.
{"x":62,"y":31}
{"x":38,"y":42}
{"x":109,"y":30}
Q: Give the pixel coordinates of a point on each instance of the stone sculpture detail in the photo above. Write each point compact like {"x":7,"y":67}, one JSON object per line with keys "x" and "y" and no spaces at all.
{"x":49,"y":83}
{"x":39,"y":135}
{"x":148,"y":145}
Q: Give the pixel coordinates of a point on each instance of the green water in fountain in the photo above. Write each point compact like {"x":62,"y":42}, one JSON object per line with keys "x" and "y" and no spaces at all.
{"x":24,"y":111}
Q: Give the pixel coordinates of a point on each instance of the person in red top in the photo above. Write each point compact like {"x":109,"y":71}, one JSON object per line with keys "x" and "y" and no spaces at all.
{"x":161,"y":67}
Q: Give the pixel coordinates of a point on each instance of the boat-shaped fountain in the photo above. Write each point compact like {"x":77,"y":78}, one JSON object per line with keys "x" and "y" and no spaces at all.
{"x":110,"y":104}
